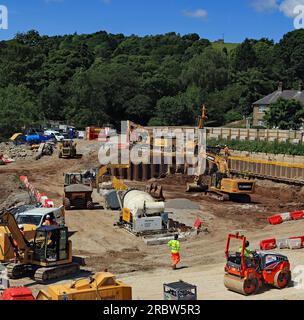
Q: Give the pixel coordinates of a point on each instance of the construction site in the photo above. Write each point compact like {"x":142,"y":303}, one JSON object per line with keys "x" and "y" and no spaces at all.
{"x":117,"y":219}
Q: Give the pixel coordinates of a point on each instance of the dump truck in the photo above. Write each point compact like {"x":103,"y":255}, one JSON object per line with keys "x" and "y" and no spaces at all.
{"x":78,"y":196}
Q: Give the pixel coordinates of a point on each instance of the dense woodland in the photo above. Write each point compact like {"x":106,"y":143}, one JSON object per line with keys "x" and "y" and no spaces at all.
{"x":158,"y":80}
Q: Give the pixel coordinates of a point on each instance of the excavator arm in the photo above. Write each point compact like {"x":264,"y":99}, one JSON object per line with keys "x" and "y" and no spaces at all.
{"x":220,"y":162}
{"x":8,"y":221}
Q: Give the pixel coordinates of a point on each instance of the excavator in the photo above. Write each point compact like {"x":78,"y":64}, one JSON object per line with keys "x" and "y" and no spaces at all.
{"x":47,"y":257}
{"x":104,"y":170}
{"x":217,"y":181}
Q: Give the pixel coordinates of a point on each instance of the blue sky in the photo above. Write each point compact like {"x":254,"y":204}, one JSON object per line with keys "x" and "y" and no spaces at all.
{"x":237,"y":19}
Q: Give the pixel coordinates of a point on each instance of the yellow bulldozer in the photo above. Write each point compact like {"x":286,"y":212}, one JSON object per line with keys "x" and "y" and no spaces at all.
{"x":47,"y":257}
{"x":216,"y":180}
{"x":67,"y":149}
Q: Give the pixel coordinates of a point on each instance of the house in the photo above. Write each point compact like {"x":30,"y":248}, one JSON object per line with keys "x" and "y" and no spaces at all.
{"x":261,"y":106}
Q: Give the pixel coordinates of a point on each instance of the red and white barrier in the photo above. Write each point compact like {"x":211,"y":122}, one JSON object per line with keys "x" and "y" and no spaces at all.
{"x":288,"y":216}
{"x":286,"y":243}
{"x":40,"y":197}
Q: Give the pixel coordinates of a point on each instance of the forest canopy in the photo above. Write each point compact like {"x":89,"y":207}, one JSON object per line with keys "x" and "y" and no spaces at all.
{"x":99,"y":78}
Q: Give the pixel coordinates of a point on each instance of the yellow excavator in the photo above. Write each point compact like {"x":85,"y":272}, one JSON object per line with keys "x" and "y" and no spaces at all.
{"x":217,"y":181}
{"x":47,"y":257}
{"x":105,"y":170}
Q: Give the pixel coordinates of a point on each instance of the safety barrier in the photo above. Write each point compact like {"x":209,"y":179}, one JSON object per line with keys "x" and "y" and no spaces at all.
{"x":283,"y":217}
{"x":39,"y":197}
{"x":286,"y":243}
{"x":268,"y":244}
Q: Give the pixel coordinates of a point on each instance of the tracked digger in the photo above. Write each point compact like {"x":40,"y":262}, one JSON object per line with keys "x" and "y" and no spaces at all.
{"x":216,"y":181}
{"x":47,"y":257}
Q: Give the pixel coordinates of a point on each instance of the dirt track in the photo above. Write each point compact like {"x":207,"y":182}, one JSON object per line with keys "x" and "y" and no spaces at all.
{"x":107,"y":247}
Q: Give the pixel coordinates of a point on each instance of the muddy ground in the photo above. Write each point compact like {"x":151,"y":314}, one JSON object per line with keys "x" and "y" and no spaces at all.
{"x":105,"y":246}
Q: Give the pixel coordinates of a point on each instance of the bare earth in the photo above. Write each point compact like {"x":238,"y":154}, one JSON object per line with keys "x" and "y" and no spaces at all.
{"x":147,"y":268}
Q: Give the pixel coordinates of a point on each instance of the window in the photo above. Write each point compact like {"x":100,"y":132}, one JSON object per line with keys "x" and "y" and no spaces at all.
{"x":30,"y":219}
{"x":262,"y":109}
{"x":261,"y":123}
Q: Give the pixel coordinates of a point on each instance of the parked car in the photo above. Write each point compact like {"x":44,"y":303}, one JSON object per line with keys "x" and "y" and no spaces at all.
{"x":56,"y":135}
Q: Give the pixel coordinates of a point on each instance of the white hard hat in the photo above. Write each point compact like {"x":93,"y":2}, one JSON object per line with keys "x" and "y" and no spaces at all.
{"x":48,"y":217}
{"x":21,"y":226}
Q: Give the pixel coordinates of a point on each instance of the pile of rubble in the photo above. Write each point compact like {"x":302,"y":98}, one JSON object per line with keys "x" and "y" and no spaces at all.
{"x":19,"y":152}
{"x":10,"y":150}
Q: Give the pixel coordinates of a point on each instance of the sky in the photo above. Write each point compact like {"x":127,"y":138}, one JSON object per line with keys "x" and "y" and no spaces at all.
{"x":211,"y":19}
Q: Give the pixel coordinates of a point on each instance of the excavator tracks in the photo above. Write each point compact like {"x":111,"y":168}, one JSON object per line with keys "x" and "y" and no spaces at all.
{"x":17,"y":270}
{"x":43,"y":275}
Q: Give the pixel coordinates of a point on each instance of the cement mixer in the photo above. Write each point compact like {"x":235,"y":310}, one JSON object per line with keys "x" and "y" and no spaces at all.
{"x":141,"y":213}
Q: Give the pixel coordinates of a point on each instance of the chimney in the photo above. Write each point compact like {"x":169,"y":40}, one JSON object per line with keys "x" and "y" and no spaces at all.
{"x":280,"y":88}
{"x":300,"y":86}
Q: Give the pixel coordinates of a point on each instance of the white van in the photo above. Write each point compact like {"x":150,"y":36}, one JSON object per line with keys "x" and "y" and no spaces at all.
{"x":37,"y":216}
{"x":54,"y":134}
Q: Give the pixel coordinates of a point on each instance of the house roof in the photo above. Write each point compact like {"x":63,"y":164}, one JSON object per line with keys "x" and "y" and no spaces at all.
{"x":285,"y":94}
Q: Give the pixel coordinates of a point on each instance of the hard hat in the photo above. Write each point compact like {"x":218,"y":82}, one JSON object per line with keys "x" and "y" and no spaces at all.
{"x":21,"y":226}
{"x":48,"y":217}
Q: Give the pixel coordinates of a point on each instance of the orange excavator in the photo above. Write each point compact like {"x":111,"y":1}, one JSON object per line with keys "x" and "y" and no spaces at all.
{"x":247,"y":275}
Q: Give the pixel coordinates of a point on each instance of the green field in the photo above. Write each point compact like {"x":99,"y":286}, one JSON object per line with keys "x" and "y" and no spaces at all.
{"x":221,"y":46}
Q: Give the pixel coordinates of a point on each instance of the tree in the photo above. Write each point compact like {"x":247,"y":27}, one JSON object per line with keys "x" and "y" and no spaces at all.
{"x":255,"y":85}
{"x":245,"y":56}
{"x":18,"y":109}
{"x":290,"y":51}
{"x":174,"y":111}
{"x":139,"y":109}
{"x":285,"y":115}
{"x":208,"y":71}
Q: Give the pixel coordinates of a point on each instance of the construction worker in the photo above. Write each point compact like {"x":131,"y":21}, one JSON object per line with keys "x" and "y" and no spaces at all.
{"x":174,"y":245}
{"x":49,"y":221}
{"x":247,"y":251}
{"x":226,"y":151}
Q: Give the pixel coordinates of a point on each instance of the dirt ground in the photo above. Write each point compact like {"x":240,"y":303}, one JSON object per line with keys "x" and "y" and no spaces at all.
{"x":146,"y":268}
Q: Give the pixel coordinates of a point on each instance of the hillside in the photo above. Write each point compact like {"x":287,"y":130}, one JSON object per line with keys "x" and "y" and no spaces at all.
{"x":99,"y":78}
{"x":227,"y":45}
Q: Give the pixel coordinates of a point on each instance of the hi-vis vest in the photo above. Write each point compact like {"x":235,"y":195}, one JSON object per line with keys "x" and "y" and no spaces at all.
{"x":174,"y":246}
{"x":247,"y":252}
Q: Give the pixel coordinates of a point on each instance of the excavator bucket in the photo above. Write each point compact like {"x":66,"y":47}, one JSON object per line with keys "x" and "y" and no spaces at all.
{"x":156,"y":191}
{"x":194,"y":187}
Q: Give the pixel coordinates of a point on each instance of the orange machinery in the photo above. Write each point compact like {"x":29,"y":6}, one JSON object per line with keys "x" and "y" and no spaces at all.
{"x":247,"y":276}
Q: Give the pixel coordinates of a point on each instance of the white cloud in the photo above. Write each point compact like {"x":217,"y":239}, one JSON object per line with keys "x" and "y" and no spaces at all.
{"x":265,"y":5}
{"x":198,"y":13}
{"x":288,"y":7}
